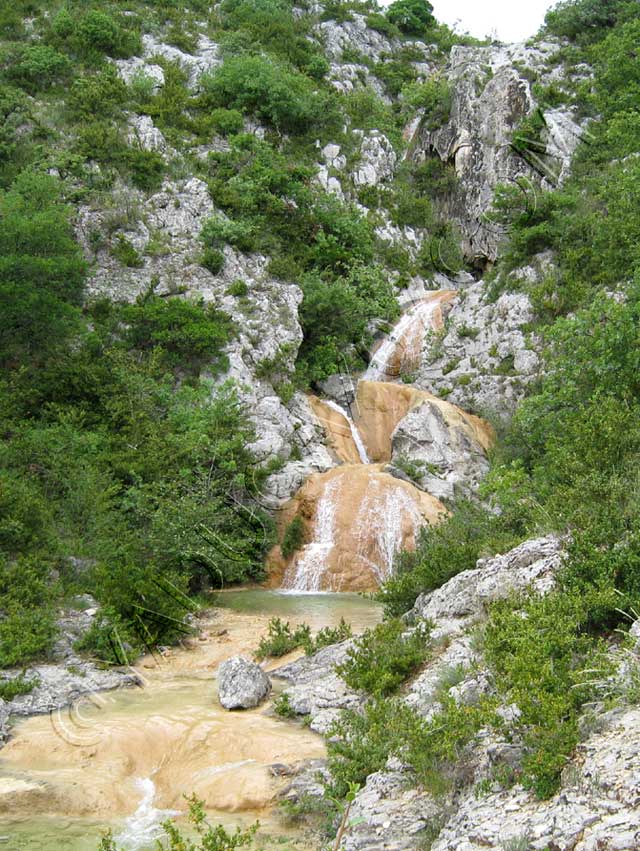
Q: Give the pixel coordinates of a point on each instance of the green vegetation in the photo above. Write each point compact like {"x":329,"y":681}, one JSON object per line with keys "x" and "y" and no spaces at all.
{"x":384,"y":657}
{"x":208,"y":837}
{"x":281,"y":638}
{"x":17,"y":686}
{"x":293,"y":537}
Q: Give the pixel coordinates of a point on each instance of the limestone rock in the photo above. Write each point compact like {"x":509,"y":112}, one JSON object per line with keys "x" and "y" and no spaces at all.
{"x":377,"y":160}
{"x":145,"y":134}
{"x":242,"y":684}
{"x":388,"y":813}
{"x":491,"y":94}
{"x":316,"y":690}
{"x":135,"y":67}
{"x":483,"y":359}
{"x":206,"y":58}
{"x":597,"y":810}
{"x":532,"y":564}
{"x":60,"y":685}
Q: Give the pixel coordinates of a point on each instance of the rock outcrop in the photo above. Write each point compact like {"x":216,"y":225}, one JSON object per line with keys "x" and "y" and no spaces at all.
{"x":490,"y":95}
{"x":242,"y":684}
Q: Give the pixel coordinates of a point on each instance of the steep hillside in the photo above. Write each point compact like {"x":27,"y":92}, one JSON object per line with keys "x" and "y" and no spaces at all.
{"x":327,"y":295}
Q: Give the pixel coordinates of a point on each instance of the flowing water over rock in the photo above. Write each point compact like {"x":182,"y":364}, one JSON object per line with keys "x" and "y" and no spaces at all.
{"x":356,"y":519}
{"x":124,"y":759}
{"x":401,"y":351}
{"x":358,"y":516}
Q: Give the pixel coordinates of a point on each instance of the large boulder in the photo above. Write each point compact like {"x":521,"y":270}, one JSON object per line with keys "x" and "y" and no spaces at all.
{"x":242,"y":684}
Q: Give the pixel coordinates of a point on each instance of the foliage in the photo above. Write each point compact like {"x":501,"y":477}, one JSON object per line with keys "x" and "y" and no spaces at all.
{"x":544,"y":662}
{"x":41,"y":269}
{"x":269,"y":90}
{"x":412,"y":17}
{"x":282,"y":639}
{"x":293,"y":537}
{"x":584,"y":20}
{"x":37,"y":67}
{"x":208,"y":837}
{"x":384,"y":657}
{"x":17,"y":685}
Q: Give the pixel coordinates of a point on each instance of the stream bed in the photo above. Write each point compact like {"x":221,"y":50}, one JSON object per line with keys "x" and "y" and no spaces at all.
{"x":125,"y":759}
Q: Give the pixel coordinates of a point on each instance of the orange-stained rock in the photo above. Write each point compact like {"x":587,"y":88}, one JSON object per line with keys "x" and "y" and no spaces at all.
{"x":357,"y":518}
{"x":380,"y":406}
{"x":339,"y":436}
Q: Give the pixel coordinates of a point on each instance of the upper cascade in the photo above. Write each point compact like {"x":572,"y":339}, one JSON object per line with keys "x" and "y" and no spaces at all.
{"x":357,"y":517}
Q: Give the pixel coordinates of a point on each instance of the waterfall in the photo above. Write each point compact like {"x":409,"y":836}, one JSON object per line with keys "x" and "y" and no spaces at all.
{"x":355,"y":434}
{"x":386,"y":512}
{"x":410,"y":328}
{"x":144,"y":826}
{"x":307,"y":571}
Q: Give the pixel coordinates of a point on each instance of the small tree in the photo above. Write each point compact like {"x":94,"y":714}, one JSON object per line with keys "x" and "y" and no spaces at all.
{"x":412,"y":17}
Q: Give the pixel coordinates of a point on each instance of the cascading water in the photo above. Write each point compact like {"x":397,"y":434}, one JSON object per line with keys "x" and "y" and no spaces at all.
{"x":306,"y":573}
{"x":387,"y":513}
{"x":357,"y":437}
{"x":142,"y":828}
{"x":364,"y":516}
{"x":406,"y":338}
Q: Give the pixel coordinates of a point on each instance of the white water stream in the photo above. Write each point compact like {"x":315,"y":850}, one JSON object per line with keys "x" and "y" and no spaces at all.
{"x":409,"y":333}
{"x":357,"y":437}
{"x":311,"y":563}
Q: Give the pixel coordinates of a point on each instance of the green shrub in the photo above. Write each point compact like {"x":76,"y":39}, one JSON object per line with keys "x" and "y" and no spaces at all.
{"x":412,"y":17}
{"x":384,"y":657}
{"x":126,"y":253}
{"x":293,"y":537}
{"x":191,"y":334}
{"x":326,"y":636}
{"x":100,"y":95}
{"x":540,"y":655}
{"x":282,"y":706}
{"x":207,"y":837}
{"x":217,"y":232}
{"x":227,"y":122}
{"x":212,"y":260}
{"x":281,"y":639}
{"x":269,"y":90}
{"x":145,"y":168}
{"x":16,"y":686}
{"x":38,"y":67}
{"x":41,"y":269}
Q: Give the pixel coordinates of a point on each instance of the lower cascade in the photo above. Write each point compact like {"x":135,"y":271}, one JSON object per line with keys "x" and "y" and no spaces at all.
{"x":358,"y":516}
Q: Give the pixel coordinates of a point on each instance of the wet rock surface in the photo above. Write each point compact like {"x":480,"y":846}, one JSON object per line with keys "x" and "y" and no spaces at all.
{"x":242,"y":684}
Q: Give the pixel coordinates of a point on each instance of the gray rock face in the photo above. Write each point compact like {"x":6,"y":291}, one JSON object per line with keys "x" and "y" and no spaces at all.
{"x":377,"y":160}
{"x":60,"y":685}
{"x":533,"y":565}
{"x":242,"y":684}
{"x":389,"y":814}
{"x":452,"y":463}
{"x":483,"y":361}
{"x":316,"y":690}
{"x":491,"y":94}
{"x":598,"y":810}
{"x":145,"y":134}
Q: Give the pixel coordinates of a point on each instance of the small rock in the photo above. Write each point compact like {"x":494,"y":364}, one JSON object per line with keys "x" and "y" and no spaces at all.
{"x":242,"y":684}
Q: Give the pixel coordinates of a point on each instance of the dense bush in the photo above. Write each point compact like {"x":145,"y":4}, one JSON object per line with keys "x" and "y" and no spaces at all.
{"x":271,"y":91}
{"x":38,"y":66}
{"x":413,"y":17}
{"x":384,"y":657}
{"x":41,"y":269}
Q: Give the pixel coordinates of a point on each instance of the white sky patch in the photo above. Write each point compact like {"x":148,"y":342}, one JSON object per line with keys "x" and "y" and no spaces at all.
{"x":508,"y":20}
